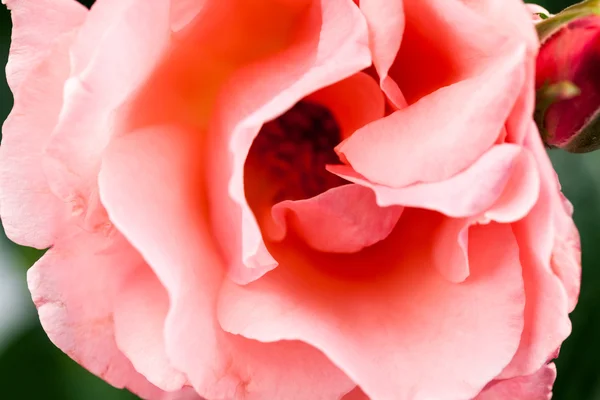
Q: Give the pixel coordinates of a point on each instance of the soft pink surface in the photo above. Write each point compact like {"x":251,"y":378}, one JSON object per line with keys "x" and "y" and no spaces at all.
{"x":537,"y":386}
{"x":445,"y":267}
{"x":172,"y":231}
{"x":39,"y":58}
{"x":401,"y":301}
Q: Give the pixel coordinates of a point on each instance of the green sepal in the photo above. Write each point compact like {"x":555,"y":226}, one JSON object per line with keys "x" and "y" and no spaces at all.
{"x":549,"y":26}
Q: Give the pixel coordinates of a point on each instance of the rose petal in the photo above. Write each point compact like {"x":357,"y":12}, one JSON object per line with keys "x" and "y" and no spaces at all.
{"x":520,"y":193}
{"x":36,"y":26}
{"x":173,"y":235}
{"x":74,"y":294}
{"x":512,"y":18}
{"x":547,"y":322}
{"x":566,"y":254}
{"x":508,"y":178}
{"x":533,"y":387}
{"x":451,"y":248}
{"x":382,"y":334}
{"x":386,"y":25}
{"x":354,"y":102}
{"x":39,"y":58}
{"x":31,"y":214}
{"x":140,"y":310}
{"x":344,"y":219}
{"x":470,"y":192}
{"x":445,"y":43}
{"x":331,"y":45}
{"x":381,"y":150}
{"x":122,"y":40}
{"x":518,"y":197}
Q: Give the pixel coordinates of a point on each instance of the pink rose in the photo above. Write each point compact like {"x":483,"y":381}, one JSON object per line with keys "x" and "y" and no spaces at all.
{"x":289,"y":200}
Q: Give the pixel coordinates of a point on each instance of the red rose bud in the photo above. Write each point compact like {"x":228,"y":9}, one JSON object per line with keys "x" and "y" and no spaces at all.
{"x":568,"y":78}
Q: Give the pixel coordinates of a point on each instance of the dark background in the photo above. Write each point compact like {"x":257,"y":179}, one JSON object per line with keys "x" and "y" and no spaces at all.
{"x":31,"y":368}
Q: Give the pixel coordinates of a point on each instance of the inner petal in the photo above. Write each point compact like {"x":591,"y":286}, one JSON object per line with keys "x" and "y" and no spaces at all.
{"x":443,"y":42}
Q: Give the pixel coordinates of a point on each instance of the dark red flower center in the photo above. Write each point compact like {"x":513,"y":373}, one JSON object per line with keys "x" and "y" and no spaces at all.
{"x":293,"y":150}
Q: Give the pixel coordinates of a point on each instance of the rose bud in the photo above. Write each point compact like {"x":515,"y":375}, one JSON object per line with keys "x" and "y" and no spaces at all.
{"x":289,"y":199}
{"x":568,"y":78}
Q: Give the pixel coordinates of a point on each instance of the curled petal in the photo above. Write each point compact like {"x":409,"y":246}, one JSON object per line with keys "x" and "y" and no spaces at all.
{"x":381,"y":150}
{"x":31,"y":213}
{"x":547,"y":322}
{"x":345,"y":219}
{"x":566,"y":255}
{"x":506,"y":187}
{"x":74,"y":294}
{"x":218,"y":365}
{"x":386,"y":25}
{"x":451,"y":248}
{"x":380,"y":331}
{"x":122,"y":40}
{"x":141,"y":307}
{"x":511,"y":19}
{"x":333,"y":46}
{"x":537,"y":386}
{"x":36,"y":26}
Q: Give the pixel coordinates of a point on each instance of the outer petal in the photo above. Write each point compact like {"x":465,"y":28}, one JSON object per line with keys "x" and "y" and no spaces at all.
{"x":381,"y":150}
{"x":547,"y":322}
{"x":566,"y":254}
{"x":513,"y":18}
{"x":382,"y":331}
{"x":140,"y":310}
{"x":532,"y":387}
{"x":31,"y":214}
{"x":122,"y":40}
{"x":36,"y":26}
{"x":172,"y":233}
{"x":510,"y":17}
{"x":74,"y":294}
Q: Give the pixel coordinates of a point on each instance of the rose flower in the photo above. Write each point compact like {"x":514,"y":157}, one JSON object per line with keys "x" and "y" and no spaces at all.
{"x":289,"y":200}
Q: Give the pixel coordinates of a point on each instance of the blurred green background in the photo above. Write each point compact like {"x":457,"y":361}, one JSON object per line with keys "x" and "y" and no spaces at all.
{"x":31,"y":368}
